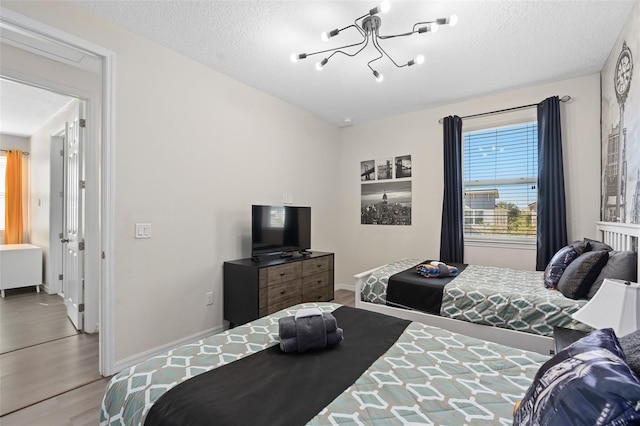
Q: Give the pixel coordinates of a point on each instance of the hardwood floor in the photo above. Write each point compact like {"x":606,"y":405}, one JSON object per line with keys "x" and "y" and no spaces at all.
{"x":81,"y":406}
{"x":42,"y":353}
{"x":28,"y":318}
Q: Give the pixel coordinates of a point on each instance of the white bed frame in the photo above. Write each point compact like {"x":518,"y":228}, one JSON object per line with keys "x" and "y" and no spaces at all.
{"x":620,"y":236}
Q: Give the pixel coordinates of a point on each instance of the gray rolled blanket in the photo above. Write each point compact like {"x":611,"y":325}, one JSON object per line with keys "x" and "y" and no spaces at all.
{"x":310,"y":329}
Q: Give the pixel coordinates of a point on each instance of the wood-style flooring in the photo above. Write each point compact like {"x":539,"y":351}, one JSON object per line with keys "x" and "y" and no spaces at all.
{"x":42,"y":353}
{"x":81,"y":406}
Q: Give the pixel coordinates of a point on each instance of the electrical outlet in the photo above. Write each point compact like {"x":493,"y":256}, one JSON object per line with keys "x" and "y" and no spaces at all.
{"x":210,"y":298}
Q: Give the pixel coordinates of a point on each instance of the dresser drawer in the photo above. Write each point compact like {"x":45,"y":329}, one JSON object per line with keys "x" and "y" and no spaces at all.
{"x":282,"y":273}
{"x":313,"y":266}
{"x":283,"y":295}
{"x":316,"y":295}
{"x":315,"y":281}
{"x":286,"y":290}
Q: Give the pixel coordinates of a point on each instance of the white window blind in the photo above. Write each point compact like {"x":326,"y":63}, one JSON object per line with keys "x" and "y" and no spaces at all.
{"x":500,"y":181}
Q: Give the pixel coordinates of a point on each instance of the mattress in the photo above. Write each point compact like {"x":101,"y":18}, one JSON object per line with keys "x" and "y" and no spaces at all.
{"x":425,"y":375}
{"x":509,"y":298}
{"x":500,"y":297}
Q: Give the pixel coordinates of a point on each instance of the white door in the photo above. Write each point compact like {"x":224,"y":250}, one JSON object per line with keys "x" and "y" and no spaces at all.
{"x":73,"y":253}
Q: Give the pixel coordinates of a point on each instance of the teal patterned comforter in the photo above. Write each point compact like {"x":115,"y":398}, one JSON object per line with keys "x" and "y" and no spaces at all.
{"x":429,"y":376}
{"x":509,"y":298}
{"x":487,"y":295}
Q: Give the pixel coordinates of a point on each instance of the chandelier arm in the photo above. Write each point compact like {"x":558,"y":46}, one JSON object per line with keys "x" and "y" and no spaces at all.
{"x":337,"y":48}
{"x":381,"y":50}
{"x":355,"y":53}
{"x":355,"y":24}
{"x":422,"y":23}
{"x":395,"y":35}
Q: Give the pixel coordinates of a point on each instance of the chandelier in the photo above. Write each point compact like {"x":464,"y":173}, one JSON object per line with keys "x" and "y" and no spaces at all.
{"x":369,"y":29}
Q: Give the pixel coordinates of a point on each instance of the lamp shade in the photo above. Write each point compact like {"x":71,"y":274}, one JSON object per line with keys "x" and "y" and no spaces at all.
{"x":616,"y":305}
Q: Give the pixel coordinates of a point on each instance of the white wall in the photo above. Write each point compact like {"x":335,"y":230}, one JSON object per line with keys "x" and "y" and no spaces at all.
{"x":14,"y":142}
{"x":366,"y":246}
{"x":194,"y":149}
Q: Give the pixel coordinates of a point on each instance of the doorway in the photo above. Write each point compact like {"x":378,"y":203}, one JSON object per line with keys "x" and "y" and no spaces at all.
{"x":39,"y":327}
{"x":49,"y":44}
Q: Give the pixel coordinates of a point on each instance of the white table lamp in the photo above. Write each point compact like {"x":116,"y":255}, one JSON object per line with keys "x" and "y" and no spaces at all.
{"x":616,"y":305}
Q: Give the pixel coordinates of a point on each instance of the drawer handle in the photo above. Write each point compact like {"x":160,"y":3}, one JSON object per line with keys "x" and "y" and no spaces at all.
{"x":283,"y":274}
{"x":319,"y":281}
{"x":319,"y":266}
{"x":282,"y":292}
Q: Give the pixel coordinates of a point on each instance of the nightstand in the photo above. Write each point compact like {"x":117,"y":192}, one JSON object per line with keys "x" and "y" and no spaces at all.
{"x":563,"y":337}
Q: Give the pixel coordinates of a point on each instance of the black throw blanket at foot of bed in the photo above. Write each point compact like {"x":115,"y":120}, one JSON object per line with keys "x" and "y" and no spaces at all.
{"x":276,"y":388}
{"x":410,"y":290}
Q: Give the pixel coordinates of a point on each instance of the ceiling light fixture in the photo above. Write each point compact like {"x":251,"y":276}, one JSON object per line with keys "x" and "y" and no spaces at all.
{"x":369,"y":29}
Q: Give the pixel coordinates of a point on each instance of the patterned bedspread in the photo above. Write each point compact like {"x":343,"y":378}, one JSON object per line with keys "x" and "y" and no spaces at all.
{"x":509,"y":298}
{"x":374,"y":289}
{"x":429,"y":375}
{"x":500,"y":297}
{"x":434,"y":377}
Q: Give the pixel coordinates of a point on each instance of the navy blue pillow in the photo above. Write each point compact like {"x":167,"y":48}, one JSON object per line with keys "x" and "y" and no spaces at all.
{"x":558,"y":263}
{"x":588,"y":383}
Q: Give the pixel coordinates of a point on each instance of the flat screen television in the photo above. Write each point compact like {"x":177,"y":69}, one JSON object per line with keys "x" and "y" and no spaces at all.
{"x":280,"y":229}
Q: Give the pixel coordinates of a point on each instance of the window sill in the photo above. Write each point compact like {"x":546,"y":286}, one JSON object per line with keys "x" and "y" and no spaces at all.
{"x":497,"y":242}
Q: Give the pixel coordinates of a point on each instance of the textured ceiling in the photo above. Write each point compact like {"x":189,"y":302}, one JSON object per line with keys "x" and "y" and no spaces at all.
{"x":25,"y":109}
{"x":496,"y":46}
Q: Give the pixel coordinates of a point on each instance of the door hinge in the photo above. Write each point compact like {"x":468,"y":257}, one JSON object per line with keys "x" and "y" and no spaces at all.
{"x":60,"y":277}
{"x":62,"y":153}
{"x":60,"y":235}
{"x":83,"y":122}
{"x":81,"y":245}
{"x":103,"y":256}
{"x":81,"y":307}
{"x":83,"y":184}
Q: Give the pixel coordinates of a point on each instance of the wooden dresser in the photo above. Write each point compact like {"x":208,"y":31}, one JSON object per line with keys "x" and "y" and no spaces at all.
{"x":255,"y":289}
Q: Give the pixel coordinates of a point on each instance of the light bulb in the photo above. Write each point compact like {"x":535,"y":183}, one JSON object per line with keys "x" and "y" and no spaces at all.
{"x":320,"y":65}
{"x":379,"y":77}
{"x":294,"y":57}
{"x":419,"y":59}
{"x":434,"y":27}
{"x":324,"y":36}
{"x":453,"y":20}
{"x":385,"y":6}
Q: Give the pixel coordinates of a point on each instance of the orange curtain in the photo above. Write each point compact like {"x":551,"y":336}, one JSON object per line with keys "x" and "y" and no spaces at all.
{"x":13,"y":227}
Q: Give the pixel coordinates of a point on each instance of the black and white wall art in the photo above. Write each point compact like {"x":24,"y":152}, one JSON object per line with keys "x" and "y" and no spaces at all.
{"x":385,"y":196}
{"x":620,"y":81}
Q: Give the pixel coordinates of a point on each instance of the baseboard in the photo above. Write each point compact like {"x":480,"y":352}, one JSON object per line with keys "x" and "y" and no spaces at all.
{"x":135,"y":359}
{"x":350,"y":287}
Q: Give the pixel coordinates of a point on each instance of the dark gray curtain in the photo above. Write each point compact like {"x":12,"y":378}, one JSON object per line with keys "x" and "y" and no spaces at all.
{"x":452,"y":231}
{"x":552,"y":223}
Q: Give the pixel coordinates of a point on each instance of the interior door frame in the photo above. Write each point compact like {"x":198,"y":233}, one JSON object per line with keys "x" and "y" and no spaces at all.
{"x":100,"y":180}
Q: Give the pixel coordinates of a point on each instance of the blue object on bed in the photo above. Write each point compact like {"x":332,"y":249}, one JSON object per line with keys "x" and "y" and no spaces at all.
{"x":588,"y":383}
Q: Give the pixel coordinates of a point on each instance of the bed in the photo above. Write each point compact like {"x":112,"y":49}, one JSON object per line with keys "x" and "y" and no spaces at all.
{"x":387,"y":371}
{"x":498,"y":304}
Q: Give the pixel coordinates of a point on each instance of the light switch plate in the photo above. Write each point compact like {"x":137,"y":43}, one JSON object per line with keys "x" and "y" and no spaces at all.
{"x":143,"y":230}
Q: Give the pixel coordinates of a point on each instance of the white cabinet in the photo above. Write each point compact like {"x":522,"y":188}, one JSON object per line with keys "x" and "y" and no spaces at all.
{"x":20,"y":266}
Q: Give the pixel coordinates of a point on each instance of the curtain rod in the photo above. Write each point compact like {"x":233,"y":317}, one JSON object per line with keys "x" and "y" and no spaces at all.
{"x":565,"y":98}
{"x":7,"y":150}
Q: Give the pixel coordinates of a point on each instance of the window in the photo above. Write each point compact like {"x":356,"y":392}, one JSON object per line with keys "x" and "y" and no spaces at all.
{"x":500,"y":182}
{"x":3,"y":170}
